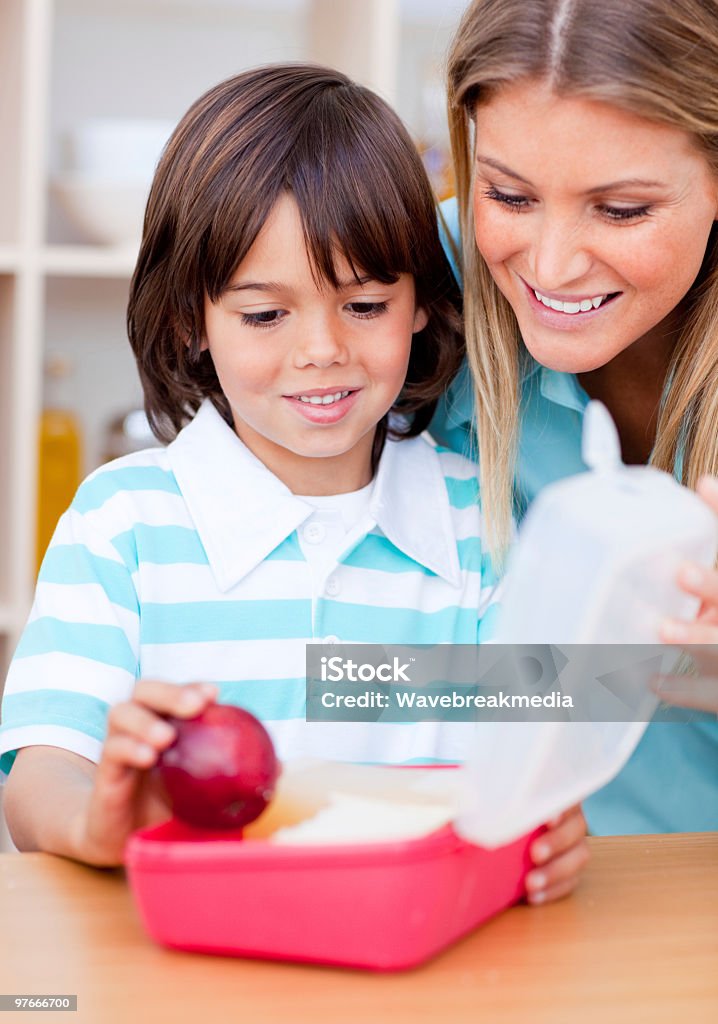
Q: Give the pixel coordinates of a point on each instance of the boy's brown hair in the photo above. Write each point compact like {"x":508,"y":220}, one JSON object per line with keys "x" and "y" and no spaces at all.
{"x":361,"y":190}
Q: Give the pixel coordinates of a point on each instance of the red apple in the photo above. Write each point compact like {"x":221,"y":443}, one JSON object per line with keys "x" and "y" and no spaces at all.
{"x":221,"y":770}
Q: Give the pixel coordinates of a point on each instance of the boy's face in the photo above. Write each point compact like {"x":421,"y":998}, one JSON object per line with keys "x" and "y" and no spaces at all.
{"x":309,"y":371}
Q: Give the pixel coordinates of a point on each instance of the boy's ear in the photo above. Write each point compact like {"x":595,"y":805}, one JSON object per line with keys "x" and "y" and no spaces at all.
{"x":186,"y":337}
{"x":421,"y":319}
{"x":202,"y":347}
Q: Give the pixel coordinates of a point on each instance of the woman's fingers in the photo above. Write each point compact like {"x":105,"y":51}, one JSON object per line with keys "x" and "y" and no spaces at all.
{"x":563,"y":833}
{"x":707,"y":489}
{"x":558,"y":876}
{"x":554,"y":892}
{"x":700,"y":634}
{"x":700,"y":692}
{"x":560,"y":854}
{"x":702,"y":582}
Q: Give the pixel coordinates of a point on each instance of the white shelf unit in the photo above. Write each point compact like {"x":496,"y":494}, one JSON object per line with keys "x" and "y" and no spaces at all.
{"x":87,"y":261}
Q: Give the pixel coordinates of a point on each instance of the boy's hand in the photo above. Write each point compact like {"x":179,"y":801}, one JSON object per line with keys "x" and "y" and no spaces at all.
{"x":560,"y":854}
{"x":124,"y":796}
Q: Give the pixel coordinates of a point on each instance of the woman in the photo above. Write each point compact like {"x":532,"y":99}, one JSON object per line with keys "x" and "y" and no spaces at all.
{"x":585,"y":141}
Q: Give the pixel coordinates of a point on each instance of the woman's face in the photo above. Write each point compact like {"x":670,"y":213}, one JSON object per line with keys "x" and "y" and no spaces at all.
{"x":593,"y":221}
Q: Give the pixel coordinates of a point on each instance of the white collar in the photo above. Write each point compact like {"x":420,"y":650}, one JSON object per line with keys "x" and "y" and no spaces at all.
{"x":242,"y":511}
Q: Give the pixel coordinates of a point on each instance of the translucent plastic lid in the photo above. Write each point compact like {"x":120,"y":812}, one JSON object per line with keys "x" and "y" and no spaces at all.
{"x":595,"y":564}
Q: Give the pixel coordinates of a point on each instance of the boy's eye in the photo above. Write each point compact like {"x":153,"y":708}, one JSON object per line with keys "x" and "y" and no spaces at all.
{"x":367,"y":310}
{"x":265,"y":318}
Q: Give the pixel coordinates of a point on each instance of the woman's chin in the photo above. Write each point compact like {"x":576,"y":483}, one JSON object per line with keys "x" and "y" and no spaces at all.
{"x":564,"y":357}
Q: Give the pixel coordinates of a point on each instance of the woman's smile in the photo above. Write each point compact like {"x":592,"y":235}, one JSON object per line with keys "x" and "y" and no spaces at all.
{"x":569,"y":313}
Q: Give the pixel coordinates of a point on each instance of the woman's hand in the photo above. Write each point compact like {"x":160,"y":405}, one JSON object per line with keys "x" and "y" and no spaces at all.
{"x":123,"y":796}
{"x":700,"y":637}
{"x":560,"y":854}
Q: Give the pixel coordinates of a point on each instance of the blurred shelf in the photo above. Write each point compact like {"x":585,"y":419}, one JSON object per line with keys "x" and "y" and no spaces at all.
{"x":168,"y":7}
{"x":8,"y":620}
{"x":88,"y":261}
{"x":9,"y":259}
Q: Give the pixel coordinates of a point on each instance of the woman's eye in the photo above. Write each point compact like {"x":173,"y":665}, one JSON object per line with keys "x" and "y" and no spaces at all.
{"x":513,"y":202}
{"x":265,"y":318}
{"x":366,"y":310}
{"x":624,"y":212}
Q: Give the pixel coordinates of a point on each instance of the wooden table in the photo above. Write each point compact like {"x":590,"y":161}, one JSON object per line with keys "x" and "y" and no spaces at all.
{"x":638,"y":942}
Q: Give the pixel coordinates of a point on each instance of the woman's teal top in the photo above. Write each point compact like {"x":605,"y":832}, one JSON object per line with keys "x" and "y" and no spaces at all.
{"x":671,"y":782}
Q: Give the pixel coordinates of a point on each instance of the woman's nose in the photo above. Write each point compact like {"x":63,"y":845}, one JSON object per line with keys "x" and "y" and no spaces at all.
{"x":559,"y":254}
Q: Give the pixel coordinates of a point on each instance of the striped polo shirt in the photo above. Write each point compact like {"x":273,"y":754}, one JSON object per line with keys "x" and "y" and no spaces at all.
{"x":186,"y":563}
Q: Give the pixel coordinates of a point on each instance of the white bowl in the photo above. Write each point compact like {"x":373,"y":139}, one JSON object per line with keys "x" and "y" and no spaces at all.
{"x":118,"y":148}
{"x":106,"y":212}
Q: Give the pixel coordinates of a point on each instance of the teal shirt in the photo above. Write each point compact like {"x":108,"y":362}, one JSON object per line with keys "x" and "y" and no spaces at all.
{"x":670,"y":783}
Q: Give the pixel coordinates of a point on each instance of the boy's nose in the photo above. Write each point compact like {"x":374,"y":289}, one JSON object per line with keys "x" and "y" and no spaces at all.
{"x":322,"y":345}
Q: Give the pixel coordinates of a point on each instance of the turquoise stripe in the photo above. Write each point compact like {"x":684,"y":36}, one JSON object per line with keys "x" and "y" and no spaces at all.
{"x":472,"y":558}
{"x":7,"y":760}
{"x":125,"y":545}
{"x":376,"y":552}
{"x":462,"y":493}
{"x":488,"y":574}
{"x":160,"y":545}
{"x":360,"y":623}
{"x":427,"y":761}
{"x":96,"y":491}
{"x":488,"y":624}
{"x":269,"y":699}
{"x":181,"y":545}
{"x":288,"y":551}
{"x":70,"y":564}
{"x":105,"y":644}
{"x":206,"y":621}
{"x":76,"y":711}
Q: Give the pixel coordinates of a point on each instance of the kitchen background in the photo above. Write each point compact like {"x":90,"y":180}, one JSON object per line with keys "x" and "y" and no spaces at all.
{"x":90,"y":89}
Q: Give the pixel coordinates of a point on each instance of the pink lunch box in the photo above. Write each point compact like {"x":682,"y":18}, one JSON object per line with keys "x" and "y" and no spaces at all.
{"x":382,"y":906}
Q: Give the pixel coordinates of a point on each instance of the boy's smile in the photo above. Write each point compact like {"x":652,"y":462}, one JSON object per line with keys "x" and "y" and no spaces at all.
{"x":309,"y":370}
{"x":324,"y":405}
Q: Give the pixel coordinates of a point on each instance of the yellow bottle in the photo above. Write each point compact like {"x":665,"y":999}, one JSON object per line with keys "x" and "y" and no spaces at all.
{"x":59,"y":456}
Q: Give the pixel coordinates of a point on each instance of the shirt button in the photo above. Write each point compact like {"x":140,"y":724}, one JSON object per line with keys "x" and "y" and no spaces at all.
{"x":332,"y":586}
{"x":331,"y":639}
{"x":314,"y":533}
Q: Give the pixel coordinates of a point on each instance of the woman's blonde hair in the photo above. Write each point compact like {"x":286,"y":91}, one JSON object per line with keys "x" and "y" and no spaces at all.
{"x":654,"y":58}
